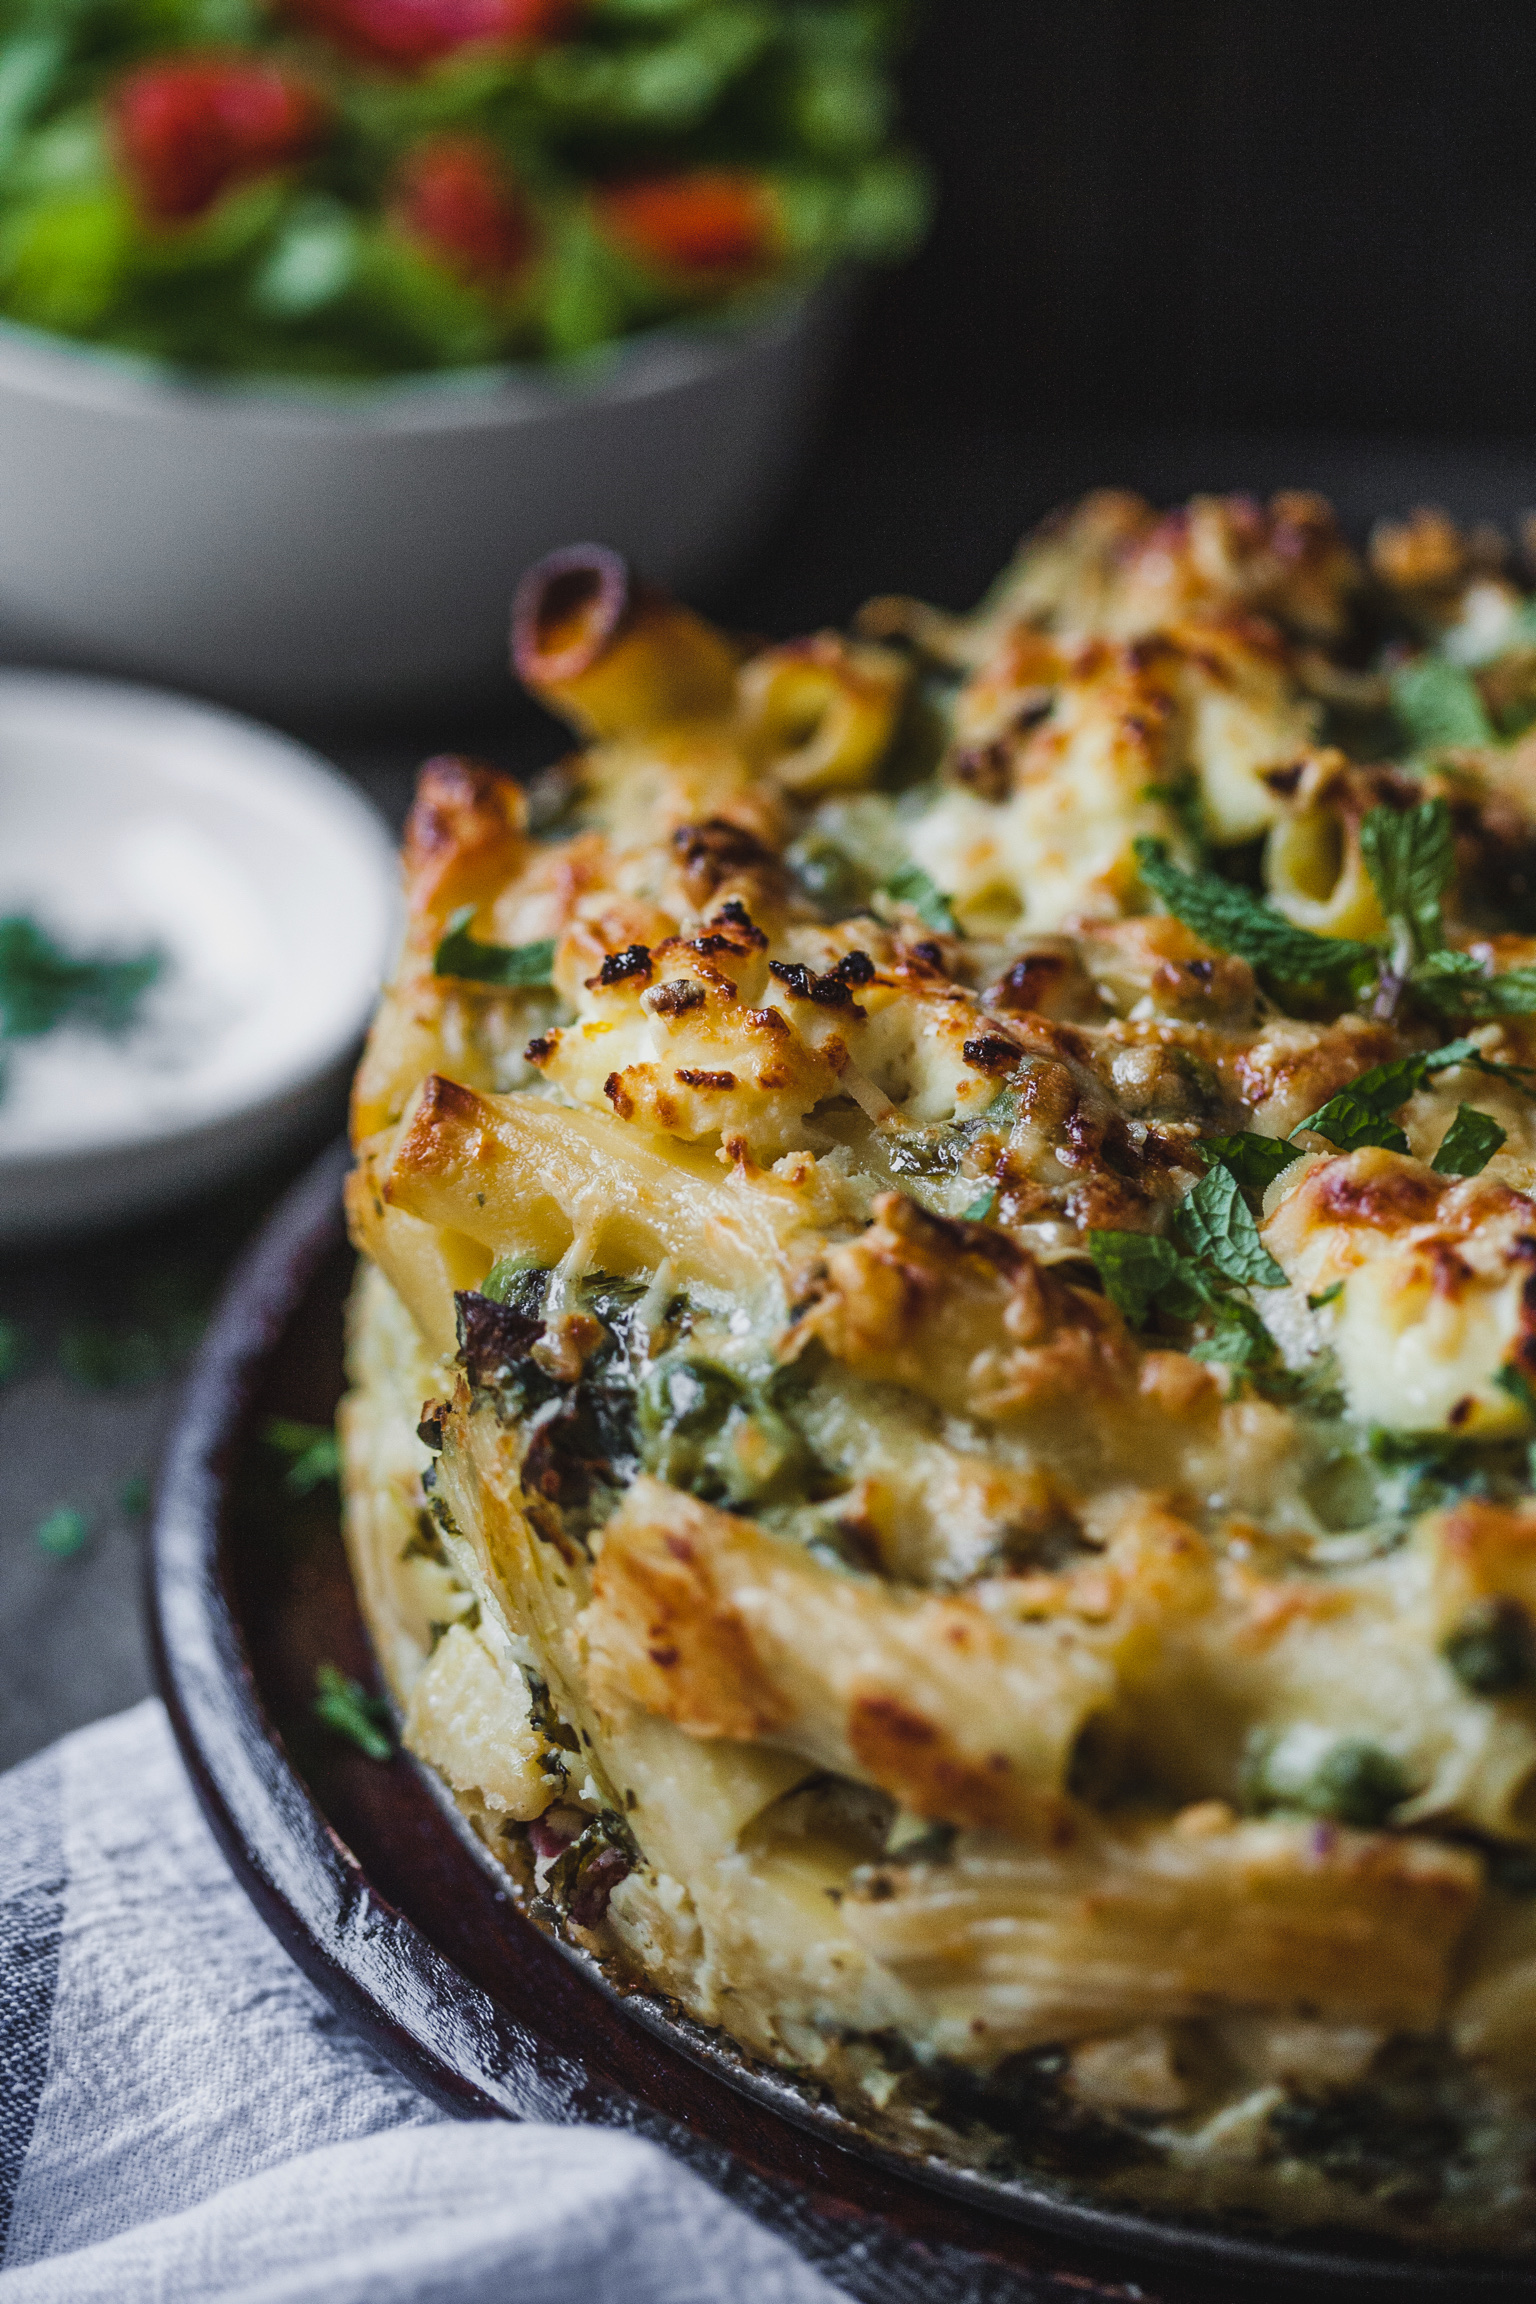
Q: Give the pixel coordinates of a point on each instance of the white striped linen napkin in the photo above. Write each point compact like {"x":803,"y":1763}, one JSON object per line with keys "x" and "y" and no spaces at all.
{"x":183,"y":2119}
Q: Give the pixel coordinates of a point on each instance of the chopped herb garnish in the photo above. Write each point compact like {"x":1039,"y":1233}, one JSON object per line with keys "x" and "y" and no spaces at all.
{"x":348,"y":1710}
{"x":1325,"y":1296}
{"x":311,"y":1449}
{"x":506,"y":965}
{"x":63,"y":1534}
{"x":42,"y":985}
{"x":912,"y":885}
{"x":1255,"y":1161}
{"x":1236,"y":920}
{"x":1439,"y":704}
{"x":981,"y":1207}
{"x":1469,"y":1143}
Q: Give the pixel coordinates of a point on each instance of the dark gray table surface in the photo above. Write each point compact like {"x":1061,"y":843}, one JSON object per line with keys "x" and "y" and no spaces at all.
{"x":108,"y":1321}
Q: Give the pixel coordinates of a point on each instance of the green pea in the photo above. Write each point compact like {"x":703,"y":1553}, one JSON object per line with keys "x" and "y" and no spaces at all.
{"x":1347,"y":1779}
{"x":828,"y":875}
{"x":1492,"y":1650}
{"x":689,"y":1396}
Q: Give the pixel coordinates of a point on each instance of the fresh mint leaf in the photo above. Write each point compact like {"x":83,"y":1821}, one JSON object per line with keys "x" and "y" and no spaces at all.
{"x":1235,"y":920}
{"x":348,"y":1710}
{"x":1184,"y":799}
{"x":1255,"y":1161}
{"x":1468,"y":1144}
{"x":1325,"y":1296}
{"x":1239,"y":1337}
{"x":1519,"y":1076}
{"x":311,"y":1449}
{"x":1512,"y":994}
{"x":1410,"y":854}
{"x":1459,"y":988}
{"x":1360,"y":1114}
{"x":912,"y":885}
{"x":1517,"y":1384}
{"x":1215,"y":1222}
{"x":1438,"y":704}
{"x":506,"y":965}
{"x":1135,"y":1268}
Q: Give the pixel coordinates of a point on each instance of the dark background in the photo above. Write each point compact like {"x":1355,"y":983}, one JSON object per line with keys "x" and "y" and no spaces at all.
{"x":1178,"y":247}
{"x":1227,"y":213}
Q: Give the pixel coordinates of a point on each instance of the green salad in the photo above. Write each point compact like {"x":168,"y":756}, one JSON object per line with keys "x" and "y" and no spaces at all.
{"x":356,"y":188}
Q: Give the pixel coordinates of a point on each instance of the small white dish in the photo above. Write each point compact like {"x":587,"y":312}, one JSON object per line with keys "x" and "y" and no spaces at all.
{"x":130,"y":820}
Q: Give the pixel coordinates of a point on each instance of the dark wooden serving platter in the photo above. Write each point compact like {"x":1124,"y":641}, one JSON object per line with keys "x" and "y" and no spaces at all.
{"x":375,"y":1890}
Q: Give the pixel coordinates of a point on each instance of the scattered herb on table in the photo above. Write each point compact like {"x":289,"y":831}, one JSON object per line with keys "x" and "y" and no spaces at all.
{"x":133,"y":1497}
{"x":311,"y":1449}
{"x":63,"y":1533}
{"x":347,"y":1709}
{"x":14,"y":1353}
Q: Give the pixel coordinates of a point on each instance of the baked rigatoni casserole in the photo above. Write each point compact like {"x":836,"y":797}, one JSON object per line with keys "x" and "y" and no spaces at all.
{"x":944,"y":1370}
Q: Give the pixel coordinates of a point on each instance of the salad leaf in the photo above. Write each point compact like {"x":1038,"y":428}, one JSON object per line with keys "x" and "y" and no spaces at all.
{"x":1236,"y":920}
{"x":506,"y":965}
{"x":1439,"y":704}
{"x":1215,"y":1222}
{"x":313,"y":1453}
{"x":912,"y":885}
{"x":1410,"y":855}
{"x":1469,"y":1143}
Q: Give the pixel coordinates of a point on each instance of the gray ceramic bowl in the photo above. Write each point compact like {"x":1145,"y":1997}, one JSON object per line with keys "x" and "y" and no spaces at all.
{"x":297,"y":549}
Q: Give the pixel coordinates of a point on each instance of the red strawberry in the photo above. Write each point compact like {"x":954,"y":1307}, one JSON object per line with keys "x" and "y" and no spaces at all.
{"x":454,"y":196}
{"x":717,"y":220}
{"x":413,"y":32}
{"x":190,"y":127}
